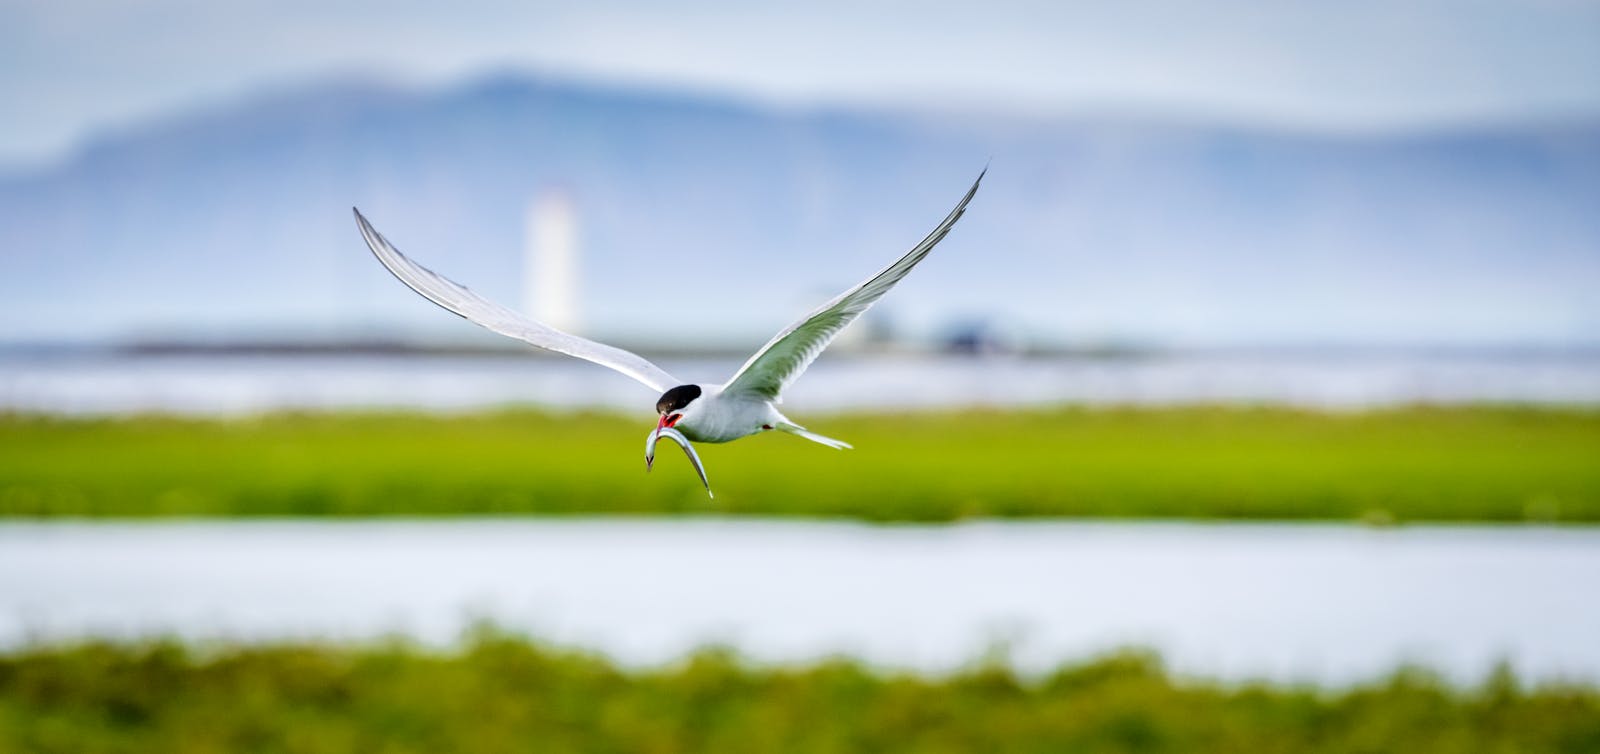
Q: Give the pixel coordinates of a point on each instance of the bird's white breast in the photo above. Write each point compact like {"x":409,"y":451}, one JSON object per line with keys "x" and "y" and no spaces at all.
{"x":722,"y":418}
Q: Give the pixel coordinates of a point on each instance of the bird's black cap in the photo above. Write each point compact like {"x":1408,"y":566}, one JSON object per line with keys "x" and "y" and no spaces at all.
{"x":677,"y":398}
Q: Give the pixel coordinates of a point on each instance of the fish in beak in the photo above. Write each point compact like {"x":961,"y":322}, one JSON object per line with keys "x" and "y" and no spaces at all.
{"x":666,"y":422}
{"x":664,"y":429}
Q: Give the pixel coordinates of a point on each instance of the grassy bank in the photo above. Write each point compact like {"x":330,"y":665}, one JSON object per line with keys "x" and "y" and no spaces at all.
{"x":1419,"y":464}
{"x":502,"y":694}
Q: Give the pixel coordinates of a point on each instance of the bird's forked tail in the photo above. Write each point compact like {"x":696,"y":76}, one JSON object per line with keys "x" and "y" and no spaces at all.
{"x":795,"y":429}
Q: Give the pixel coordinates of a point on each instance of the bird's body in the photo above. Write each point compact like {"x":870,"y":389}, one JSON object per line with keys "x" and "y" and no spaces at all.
{"x":719,"y":417}
{"x":743,"y":406}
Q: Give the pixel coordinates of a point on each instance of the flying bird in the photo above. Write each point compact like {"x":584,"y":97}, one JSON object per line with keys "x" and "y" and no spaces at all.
{"x":744,"y":405}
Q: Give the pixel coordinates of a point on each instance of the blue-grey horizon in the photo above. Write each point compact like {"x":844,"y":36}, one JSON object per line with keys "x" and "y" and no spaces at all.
{"x":1355,"y":65}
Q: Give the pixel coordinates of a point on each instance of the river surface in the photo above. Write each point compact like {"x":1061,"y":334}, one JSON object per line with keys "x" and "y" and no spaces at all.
{"x":1325,"y":603}
{"x":223,"y":384}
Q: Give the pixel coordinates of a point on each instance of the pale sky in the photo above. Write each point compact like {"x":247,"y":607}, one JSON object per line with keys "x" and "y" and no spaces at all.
{"x":71,"y":67}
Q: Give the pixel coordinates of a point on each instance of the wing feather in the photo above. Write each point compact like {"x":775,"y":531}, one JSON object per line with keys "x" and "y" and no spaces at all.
{"x":787,"y":355}
{"x":461,"y":301}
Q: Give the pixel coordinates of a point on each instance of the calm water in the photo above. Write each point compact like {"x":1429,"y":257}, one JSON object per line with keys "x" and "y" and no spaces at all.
{"x":242,"y":384}
{"x":1328,"y":603}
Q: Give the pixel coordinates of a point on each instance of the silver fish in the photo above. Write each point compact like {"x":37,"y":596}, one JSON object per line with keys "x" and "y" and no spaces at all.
{"x":683,"y":442}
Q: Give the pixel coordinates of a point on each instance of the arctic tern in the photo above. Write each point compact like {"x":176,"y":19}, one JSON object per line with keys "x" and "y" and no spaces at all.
{"x":744,"y":405}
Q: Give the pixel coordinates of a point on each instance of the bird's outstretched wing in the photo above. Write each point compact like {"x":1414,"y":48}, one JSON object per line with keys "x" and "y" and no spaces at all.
{"x":481,"y":311}
{"x":788,"y":354}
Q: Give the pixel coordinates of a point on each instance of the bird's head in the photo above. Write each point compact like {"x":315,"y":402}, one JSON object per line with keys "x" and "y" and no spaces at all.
{"x":673,"y":406}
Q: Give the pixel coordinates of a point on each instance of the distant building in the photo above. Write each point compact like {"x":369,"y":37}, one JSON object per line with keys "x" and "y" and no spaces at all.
{"x":981,"y":338}
{"x":550,"y":267}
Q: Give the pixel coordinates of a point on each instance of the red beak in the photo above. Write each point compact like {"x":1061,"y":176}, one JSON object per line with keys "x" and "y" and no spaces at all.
{"x":666,"y":422}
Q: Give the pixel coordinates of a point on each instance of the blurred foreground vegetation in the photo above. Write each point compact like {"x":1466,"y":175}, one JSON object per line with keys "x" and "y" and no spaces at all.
{"x":504,"y":694}
{"x":1414,"y":464}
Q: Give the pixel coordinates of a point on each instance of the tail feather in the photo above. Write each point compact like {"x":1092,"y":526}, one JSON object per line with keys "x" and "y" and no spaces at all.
{"x":795,"y":429}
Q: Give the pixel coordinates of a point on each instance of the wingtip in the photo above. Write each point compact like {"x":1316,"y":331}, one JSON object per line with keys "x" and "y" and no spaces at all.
{"x":974,"y":190}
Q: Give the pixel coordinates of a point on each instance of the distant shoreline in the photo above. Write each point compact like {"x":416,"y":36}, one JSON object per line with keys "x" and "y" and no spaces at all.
{"x":506,"y":349}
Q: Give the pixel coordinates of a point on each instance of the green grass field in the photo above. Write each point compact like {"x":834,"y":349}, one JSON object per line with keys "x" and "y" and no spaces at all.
{"x":504,"y":694}
{"x":1419,"y":464}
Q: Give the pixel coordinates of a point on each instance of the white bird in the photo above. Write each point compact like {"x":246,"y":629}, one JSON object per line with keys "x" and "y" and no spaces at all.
{"x":744,"y":405}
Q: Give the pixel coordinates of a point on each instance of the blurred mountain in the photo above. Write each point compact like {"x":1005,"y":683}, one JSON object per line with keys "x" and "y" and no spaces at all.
{"x":710,"y":218}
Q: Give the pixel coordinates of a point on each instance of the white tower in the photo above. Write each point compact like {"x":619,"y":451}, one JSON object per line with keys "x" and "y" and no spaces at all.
{"x":550,"y":268}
